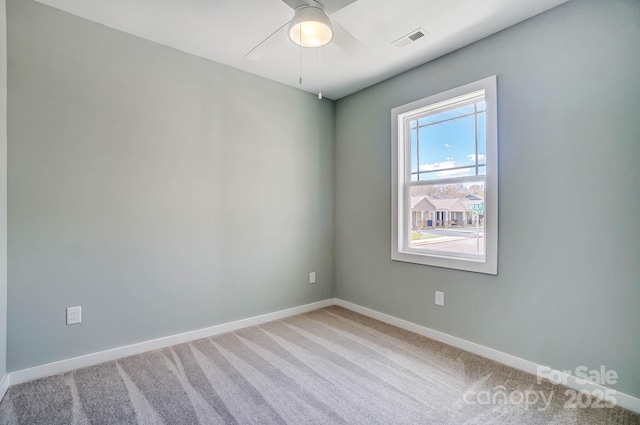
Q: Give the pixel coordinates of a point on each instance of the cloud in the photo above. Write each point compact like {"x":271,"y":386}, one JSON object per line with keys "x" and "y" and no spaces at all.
{"x":447,"y":145}
{"x":481,"y":157}
{"x":438,"y":165}
{"x":444,"y":166}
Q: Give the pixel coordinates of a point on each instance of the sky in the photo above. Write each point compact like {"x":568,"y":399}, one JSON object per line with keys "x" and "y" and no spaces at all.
{"x":448,"y":144}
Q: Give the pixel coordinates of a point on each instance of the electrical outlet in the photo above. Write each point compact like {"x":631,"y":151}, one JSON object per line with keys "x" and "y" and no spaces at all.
{"x":440,"y":298}
{"x":312,"y":277}
{"x":74,"y":315}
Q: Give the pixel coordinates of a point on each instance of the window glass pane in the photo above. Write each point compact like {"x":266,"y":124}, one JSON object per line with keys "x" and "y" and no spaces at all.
{"x":482,"y":171}
{"x":448,"y":218}
{"x":447,"y":144}
{"x":482,"y":138}
{"x":482,"y":106}
{"x":464,"y":110}
{"x":413,"y":123}
{"x":414,"y":151}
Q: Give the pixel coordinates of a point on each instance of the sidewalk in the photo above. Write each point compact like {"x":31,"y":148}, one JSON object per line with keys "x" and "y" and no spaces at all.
{"x":440,"y":239}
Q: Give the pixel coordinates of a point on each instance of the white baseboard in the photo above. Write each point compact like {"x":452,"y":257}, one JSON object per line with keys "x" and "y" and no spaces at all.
{"x":25,"y":375}
{"x":623,"y":400}
{"x":50,"y":369}
{"x":4,"y":385}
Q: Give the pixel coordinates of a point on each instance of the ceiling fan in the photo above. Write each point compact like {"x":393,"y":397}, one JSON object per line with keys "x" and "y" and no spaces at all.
{"x":320,"y":28}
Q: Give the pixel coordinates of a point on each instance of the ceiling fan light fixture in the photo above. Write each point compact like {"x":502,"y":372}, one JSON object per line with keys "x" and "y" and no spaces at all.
{"x":310,"y":27}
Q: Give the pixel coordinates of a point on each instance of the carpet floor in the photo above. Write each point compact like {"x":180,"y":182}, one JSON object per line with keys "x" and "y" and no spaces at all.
{"x":329,"y":366}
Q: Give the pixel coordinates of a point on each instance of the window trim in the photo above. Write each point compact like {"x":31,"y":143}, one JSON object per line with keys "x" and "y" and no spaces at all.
{"x":400,"y":186}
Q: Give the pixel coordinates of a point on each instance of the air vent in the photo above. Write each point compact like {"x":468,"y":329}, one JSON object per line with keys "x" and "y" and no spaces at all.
{"x":416,"y":35}
{"x":410,"y":38}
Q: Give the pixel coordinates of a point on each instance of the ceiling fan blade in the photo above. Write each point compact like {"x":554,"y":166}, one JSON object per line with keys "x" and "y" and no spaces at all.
{"x":329,"y":6}
{"x":296,"y":3}
{"x":347,"y":42}
{"x":274,"y":39}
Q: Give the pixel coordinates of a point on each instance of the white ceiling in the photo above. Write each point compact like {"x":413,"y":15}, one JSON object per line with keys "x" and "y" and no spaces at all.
{"x":226,"y":30}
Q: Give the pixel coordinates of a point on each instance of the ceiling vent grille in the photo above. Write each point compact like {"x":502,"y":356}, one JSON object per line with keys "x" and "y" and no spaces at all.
{"x":410,"y":38}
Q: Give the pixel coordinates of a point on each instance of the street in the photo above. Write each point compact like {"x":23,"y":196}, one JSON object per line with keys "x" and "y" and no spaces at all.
{"x":452,"y":240}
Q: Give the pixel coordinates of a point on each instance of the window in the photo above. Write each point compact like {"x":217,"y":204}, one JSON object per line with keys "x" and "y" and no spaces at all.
{"x":445,"y":179}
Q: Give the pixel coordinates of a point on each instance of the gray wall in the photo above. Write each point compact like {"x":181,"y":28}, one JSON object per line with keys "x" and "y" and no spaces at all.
{"x":568,"y":288}
{"x":3,"y":189}
{"x":160,"y":191}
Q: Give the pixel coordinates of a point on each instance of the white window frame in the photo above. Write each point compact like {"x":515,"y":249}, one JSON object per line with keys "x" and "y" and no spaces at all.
{"x":401,"y":177}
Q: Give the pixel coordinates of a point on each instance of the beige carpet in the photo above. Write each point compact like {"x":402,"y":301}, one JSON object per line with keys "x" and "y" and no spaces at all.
{"x":329,"y":366}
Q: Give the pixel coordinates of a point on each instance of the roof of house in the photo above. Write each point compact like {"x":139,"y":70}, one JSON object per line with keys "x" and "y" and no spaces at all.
{"x":428,"y":203}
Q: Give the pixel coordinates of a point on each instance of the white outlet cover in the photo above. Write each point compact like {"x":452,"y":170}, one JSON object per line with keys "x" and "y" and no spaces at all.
{"x":312,"y":277}
{"x":74,"y":315}
{"x":439,"y":298}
